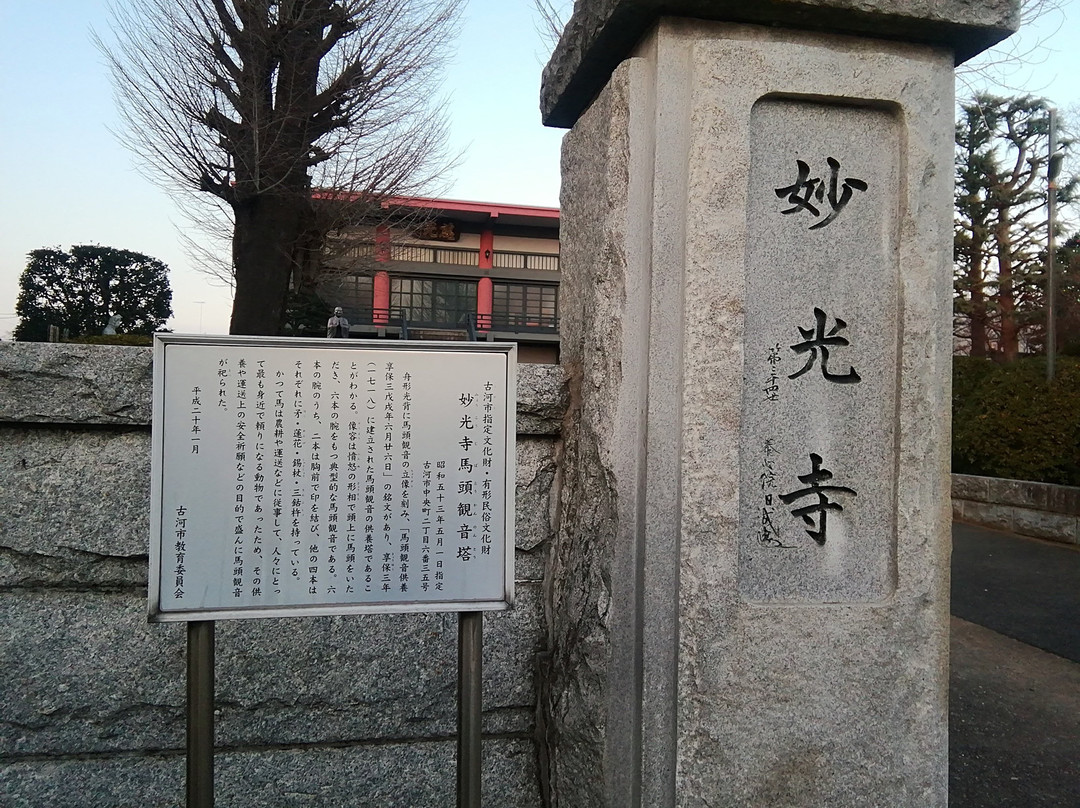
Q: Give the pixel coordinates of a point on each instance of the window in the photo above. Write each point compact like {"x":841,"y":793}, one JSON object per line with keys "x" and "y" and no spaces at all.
{"x":352,"y":292}
{"x":520,"y":305}
{"x":433,"y":301}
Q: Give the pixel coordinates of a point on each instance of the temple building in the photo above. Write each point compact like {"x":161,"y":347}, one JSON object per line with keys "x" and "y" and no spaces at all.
{"x":450,"y":269}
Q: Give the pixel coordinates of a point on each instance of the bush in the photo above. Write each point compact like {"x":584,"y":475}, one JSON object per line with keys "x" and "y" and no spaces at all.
{"x":113,"y":339}
{"x":1008,"y":422}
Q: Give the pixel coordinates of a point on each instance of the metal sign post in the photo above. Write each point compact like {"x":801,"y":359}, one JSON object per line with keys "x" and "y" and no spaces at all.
{"x":470,"y":696}
{"x":200,"y":714}
{"x":302,"y":477}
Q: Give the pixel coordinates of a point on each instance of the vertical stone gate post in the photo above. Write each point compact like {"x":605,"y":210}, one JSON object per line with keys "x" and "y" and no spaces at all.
{"x":748,"y":597}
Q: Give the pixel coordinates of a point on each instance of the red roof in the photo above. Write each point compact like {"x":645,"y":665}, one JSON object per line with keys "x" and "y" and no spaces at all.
{"x":475,"y":211}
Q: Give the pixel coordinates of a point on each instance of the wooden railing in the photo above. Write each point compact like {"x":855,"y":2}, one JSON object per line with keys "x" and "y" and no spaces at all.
{"x":397,"y":317}
{"x":456,"y":256}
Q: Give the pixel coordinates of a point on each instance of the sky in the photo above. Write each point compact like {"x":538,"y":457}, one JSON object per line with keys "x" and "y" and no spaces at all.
{"x":66,"y":180}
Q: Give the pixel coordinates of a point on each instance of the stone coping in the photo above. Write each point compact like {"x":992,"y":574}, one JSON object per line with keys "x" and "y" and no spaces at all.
{"x":108,"y":385}
{"x":601,"y":33}
{"x":1041,"y":510}
{"x":1062,"y":499}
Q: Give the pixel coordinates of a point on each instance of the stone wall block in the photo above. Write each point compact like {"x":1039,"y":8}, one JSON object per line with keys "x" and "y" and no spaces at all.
{"x":1063,"y":499}
{"x":999,"y":517}
{"x":967,"y":486}
{"x":75,"y":384}
{"x":78,"y":500}
{"x":1021,"y":493}
{"x":1044,"y":525}
{"x":84,"y":673}
{"x":541,"y":399}
{"x":330,"y":679}
{"x":94,"y":695}
{"x":379,"y":776}
{"x":74,"y":506}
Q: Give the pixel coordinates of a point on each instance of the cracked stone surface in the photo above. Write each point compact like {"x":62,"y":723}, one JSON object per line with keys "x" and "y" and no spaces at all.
{"x":542,"y":398}
{"x":78,"y":496}
{"x":55,"y":383}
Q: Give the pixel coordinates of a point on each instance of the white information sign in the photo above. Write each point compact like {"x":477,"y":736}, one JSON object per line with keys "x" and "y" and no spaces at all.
{"x":308,"y":477}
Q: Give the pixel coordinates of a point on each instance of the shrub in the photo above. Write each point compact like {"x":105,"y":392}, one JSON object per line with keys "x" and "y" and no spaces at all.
{"x":113,"y":339}
{"x":1009,"y":422}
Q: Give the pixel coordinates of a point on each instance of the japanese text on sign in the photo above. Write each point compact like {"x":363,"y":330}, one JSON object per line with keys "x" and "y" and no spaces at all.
{"x":331,"y":478}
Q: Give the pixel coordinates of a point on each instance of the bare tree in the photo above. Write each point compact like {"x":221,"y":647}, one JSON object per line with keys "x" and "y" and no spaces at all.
{"x":260,"y":103}
{"x":999,"y":64}
{"x":552,"y":16}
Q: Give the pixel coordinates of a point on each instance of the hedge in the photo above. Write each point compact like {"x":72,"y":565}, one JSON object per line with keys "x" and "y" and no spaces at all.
{"x":1009,"y":422}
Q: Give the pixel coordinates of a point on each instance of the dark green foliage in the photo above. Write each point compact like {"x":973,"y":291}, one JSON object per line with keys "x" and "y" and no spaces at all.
{"x":306,"y":314}
{"x":79,"y":290}
{"x":1009,"y":422}
{"x":130,"y":340}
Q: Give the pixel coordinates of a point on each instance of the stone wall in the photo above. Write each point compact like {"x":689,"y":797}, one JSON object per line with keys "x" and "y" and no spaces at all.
{"x":326,"y":711}
{"x":1040,"y":510}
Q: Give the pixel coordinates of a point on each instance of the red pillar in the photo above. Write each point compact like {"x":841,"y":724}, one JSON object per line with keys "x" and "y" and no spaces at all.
{"x":487,"y":248}
{"x":380,"y":303}
{"x":483,"y":305}
{"x":483,"y":288}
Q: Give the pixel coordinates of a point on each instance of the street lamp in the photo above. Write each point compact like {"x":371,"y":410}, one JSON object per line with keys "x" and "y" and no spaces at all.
{"x":1053,"y":168}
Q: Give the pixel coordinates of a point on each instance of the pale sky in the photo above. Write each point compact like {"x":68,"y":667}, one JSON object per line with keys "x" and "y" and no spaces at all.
{"x":66,"y":180}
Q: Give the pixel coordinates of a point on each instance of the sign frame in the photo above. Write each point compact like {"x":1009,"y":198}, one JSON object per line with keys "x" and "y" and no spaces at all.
{"x":162,"y":344}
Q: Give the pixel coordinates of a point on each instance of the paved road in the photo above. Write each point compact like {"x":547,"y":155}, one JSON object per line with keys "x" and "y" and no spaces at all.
{"x":1014,"y":701}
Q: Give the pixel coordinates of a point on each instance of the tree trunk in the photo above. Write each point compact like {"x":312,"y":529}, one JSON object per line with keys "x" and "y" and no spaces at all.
{"x":266,"y":237}
{"x":977,"y":318}
{"x":1009,"y":347}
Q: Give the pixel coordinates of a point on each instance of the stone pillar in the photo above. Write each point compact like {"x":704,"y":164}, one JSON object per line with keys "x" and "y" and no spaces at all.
{"x":748,"y":597}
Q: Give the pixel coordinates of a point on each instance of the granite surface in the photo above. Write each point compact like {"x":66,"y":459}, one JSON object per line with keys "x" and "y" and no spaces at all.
{"x":74,"y":506}
{"x":838,"y":704}
{"x":108,"y":385}
{"x":601,"y":33}
{"x":589,"y":705}
{"x":58,"y":383}
{"x":668,"y":686}
{"x":395,"y":775}
{"x":356,"y":710}
{"x":821,"y":335}
{"x":83,"y":673}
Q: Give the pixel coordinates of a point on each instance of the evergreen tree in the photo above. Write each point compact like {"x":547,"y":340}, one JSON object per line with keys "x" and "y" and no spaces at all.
{"x":1001,"y":223}
{"x":79,"y":290}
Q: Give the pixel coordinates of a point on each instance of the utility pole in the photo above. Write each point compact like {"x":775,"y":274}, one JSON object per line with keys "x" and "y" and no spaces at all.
{"x":1053,"y":166}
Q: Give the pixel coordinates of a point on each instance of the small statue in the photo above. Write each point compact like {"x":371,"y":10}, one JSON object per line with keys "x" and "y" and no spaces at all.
{"x":337,"y":326}
{"x":114,"y":323}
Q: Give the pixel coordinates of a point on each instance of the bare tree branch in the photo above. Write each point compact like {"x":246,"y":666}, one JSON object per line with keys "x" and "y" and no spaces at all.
{"x":551,"y":19}
{"x":259,"y":102}
{"x":1001,"y":64}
